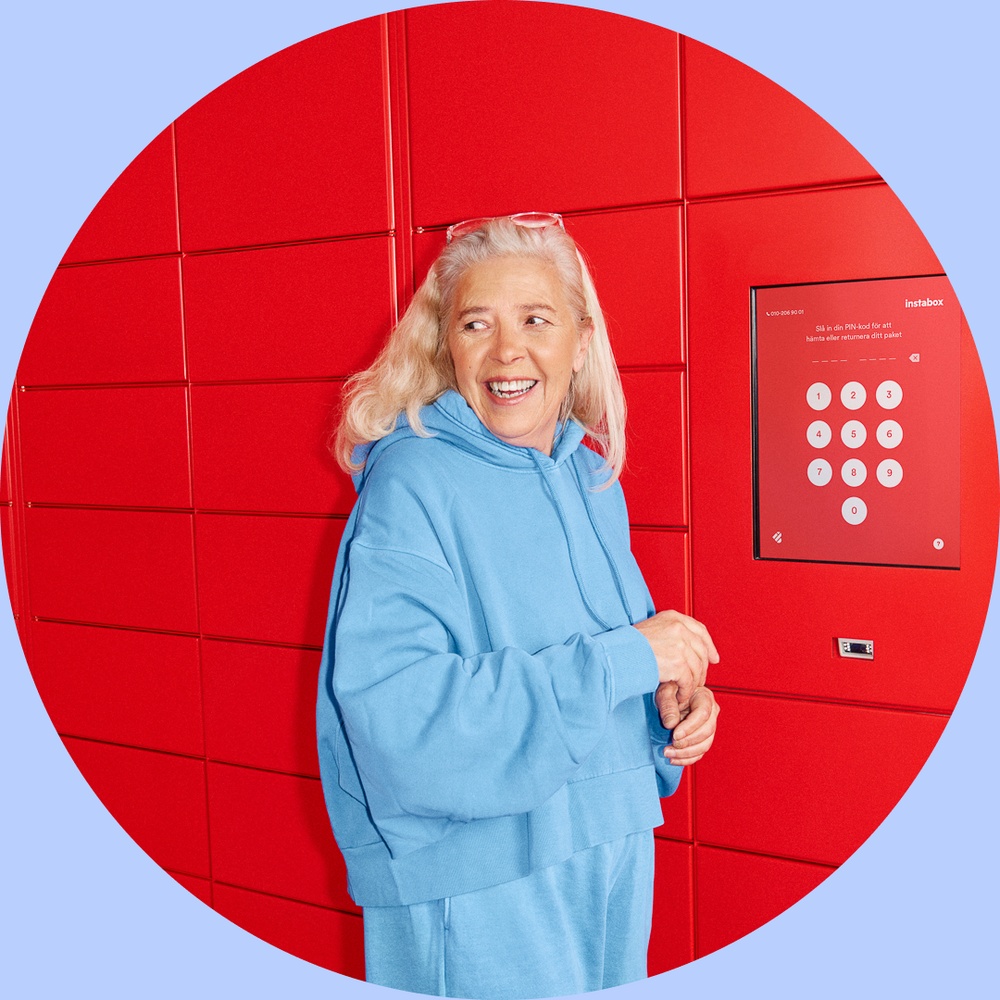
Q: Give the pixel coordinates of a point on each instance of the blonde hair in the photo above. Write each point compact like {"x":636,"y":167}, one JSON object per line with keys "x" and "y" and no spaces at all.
{"x":415,"y":367}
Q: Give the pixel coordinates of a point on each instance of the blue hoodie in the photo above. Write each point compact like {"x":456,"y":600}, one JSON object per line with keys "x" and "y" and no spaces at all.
{"x":485,"y":705}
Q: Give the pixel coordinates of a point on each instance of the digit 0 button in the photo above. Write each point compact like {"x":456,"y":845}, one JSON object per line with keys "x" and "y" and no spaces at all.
{"x":820,"y":472}
{"x":889,"y":434}
{"x":818,"y":434}
{"x":854,"y":509}
{"x":889,"y":394}
{"x":889,"y":472}
{"x":818,"y":396}
{"x":853,"y":395}
{"x":854,"y":472}
{"x":854,"y":434}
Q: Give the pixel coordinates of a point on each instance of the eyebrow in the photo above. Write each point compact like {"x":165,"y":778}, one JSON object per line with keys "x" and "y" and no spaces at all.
{"x":529,"y":307}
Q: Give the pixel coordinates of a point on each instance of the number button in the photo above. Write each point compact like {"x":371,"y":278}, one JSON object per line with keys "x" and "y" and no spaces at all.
{"x":854,"y":434}
{"x":889,"y":394}
{"x":854,"y":472}
{"x":854,"y":509}
{"x":889,"y":434}
{"x":818,"y":434}
{"x":818,"y":396}
{"x":820,"y":472}
{"x":889,"y":472}
{"x":853,"y":395}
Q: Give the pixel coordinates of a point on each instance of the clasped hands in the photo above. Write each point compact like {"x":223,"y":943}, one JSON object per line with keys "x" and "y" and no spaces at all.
{"x":683,"y":650}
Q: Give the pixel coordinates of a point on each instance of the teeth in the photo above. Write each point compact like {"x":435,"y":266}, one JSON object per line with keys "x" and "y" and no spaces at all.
{"x":508,"y":388}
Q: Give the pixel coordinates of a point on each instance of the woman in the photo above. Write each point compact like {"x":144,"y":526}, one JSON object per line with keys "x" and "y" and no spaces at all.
{"x":492,"y":753}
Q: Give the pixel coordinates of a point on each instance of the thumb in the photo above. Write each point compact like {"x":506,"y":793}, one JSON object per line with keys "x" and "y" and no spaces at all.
{"x":666,"y":704}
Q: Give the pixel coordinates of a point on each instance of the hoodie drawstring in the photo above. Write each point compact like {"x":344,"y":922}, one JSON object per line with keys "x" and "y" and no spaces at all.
{"x":553,"y":497}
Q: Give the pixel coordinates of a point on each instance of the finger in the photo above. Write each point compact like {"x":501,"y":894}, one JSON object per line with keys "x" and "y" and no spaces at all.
{"x":666,"y":703}
{"x":699,"y":717}
{"x":697,"y":627}
{"x":696,"y":656}
{"x":689,"y":754}
{"x":686,"y":687}
{"x":697,"y":744}
{"x":697,"y":665}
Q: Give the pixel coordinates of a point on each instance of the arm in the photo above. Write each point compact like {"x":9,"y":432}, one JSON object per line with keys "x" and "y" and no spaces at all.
{"x":439,"y":737}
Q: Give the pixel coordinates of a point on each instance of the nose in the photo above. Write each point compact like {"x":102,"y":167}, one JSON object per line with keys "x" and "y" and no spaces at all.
{"x":507,"y":346}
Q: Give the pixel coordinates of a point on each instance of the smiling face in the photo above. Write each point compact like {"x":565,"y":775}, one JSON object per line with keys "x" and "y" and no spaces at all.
{"x":515,"y":344}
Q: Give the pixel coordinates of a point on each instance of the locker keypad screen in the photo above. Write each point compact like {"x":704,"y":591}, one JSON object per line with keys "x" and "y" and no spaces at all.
{"x":856,"y":422}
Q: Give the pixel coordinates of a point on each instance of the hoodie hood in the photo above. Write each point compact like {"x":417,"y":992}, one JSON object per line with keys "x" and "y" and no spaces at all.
{"x":451,"y":418}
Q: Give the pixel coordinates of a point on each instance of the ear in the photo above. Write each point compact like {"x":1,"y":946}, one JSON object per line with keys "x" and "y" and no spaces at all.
{"x":585,"y":336}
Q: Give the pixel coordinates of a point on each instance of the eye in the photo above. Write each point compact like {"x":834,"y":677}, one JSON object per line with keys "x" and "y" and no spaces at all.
{"x":536,"y":321}
{"x":474,"y":326}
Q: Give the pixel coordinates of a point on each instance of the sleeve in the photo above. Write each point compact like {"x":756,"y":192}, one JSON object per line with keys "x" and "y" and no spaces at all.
{"x":668,"y":776}
{"x":439,"y":738}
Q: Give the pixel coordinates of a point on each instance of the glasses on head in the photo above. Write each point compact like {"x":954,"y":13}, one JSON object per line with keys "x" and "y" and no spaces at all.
{"x":527,"y":220}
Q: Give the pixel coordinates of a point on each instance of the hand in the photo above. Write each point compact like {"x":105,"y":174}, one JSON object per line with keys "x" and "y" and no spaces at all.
{"x":683,"y":650}
{"x":693,"y":736}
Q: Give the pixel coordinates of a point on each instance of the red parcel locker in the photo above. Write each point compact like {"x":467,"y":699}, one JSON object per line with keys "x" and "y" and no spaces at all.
{"x":267,"y":157}
{"x":780,"y":622}
{"x":114,"y":229}
{"x":514,"y":121}
{"x":830,"y":597}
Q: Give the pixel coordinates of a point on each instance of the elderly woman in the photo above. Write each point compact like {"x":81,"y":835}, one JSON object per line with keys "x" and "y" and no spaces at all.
{"x":496,"y":694}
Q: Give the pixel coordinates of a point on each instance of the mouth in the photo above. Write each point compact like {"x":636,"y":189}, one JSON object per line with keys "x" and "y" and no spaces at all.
{"x":511,"y":388}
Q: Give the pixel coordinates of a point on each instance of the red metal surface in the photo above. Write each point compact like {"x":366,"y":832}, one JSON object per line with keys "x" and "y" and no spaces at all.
{"x":743,"y":133}
{"x":115,"y":229}
{"x":115,"y":684}
{"x":158,"y":798}
{"x":260,"y":705}
{"x":271,"y":832}
{"x":107,"y":323}
{"x":308,"y":311}
{"x":115,"y":567}
{"x":115,"y":446}
{"x":671,"y":942}
{"x":266,"y":577}
{"x":282,"y":461}
{"x":738,"y":892}
{"x":795,"y":778}
{"x":573,"y":137}
{"x":293,"y":148}
{"x":328,"y":938}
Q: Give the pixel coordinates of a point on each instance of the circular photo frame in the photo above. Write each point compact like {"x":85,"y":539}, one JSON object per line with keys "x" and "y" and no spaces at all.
{"x":194,"y":412}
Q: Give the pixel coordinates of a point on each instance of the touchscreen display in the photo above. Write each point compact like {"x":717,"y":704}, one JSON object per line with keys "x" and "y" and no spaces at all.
{"x":856,"y":422}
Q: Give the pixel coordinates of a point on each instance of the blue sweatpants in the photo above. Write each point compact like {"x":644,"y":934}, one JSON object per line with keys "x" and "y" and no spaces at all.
{"x":580,"y":925}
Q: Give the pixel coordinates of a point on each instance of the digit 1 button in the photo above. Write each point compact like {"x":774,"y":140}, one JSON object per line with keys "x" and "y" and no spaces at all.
{"x":818,"y":434}
{"x":820,"y":472}
{"x":818,"y":396}
{"x":889,"y":472}
{"x":854,"y":472}
{"x":889,"y":434}
{"x":853,"y":395}
{"x":854,"y":434}
{"x":854,"y":509}
{"x":889,"y":394}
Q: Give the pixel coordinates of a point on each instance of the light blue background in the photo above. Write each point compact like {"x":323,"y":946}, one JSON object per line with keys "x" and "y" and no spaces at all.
{"x":913,"y":85}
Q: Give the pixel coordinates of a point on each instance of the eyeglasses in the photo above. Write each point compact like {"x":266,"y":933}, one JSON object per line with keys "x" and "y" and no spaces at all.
{"x":527,"y":220}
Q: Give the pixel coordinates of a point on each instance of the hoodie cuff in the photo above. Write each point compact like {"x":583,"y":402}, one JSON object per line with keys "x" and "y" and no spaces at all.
{"x":631,"y":663}
{"x":660,"y":737}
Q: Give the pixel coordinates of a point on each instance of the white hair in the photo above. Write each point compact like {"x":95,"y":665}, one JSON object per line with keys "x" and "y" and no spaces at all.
{"x":415,"y":366}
